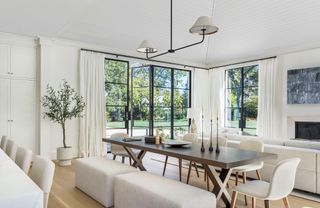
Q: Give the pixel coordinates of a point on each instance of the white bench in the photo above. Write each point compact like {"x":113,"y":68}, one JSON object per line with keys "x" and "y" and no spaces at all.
{"x":95,"y":177}
{"x":142,"y":189}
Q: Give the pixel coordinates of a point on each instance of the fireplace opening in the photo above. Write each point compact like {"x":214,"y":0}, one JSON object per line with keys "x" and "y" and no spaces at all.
{"x":307,"y":130}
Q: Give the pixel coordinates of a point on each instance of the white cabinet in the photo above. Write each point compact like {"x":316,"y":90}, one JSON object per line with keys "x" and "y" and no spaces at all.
{"x":18,"y":99}
{"x":23,"y":111}
{"x":4,"y":106}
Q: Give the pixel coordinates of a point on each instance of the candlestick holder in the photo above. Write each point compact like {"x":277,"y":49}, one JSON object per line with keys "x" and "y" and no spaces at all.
{"x":217,"y":147}
{"x":211,"y":148}
{"x":202,"y":145}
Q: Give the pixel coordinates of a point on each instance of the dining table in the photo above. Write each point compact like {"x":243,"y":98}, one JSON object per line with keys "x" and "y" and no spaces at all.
{"x":224,"y":160}
{"x":16,"y":188}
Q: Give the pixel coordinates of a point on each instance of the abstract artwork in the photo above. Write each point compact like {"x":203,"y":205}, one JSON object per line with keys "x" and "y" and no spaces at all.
{"x":303,"y":86}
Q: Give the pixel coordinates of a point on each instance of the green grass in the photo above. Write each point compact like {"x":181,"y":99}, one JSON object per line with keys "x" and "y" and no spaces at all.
{"x":144,"y":123}
{"x":251,"y":125}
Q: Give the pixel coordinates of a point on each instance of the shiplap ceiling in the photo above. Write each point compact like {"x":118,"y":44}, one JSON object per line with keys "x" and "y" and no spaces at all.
{"x":248,"y":28}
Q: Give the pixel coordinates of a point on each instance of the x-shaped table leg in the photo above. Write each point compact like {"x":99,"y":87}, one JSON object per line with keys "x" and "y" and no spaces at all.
{"x":137,"y":159}
{"x":220,"y":183}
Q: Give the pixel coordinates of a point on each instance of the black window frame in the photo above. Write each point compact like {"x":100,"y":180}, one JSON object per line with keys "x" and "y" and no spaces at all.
{"x":243,"y":87}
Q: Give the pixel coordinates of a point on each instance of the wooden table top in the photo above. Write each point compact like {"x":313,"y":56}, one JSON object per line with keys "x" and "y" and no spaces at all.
{"x":228,"y":157}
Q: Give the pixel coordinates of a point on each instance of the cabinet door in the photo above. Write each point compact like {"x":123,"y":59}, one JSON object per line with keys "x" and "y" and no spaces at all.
{"x":4,"y":107}
{"x":4,"y":60}
{"x":23,"y":61}
{"x":23,"y":113}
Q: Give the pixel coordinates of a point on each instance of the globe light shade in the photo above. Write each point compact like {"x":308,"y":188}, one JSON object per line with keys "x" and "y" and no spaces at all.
{"x":203,"y":24}
{"x":146,"y":47}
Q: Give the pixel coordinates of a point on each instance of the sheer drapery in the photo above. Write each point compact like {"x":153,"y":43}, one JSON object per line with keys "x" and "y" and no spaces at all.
{"x":266,"y":125}
{"x":92,"y":124}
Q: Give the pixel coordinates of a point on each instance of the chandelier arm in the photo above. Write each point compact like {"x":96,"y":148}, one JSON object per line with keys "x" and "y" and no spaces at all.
{"x":193,"y":44}
{"x":157,"y":55}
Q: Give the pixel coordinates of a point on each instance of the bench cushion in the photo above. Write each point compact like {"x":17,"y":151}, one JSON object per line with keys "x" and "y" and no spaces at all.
{"x":143,"y":189}
{"x":95,"y":177}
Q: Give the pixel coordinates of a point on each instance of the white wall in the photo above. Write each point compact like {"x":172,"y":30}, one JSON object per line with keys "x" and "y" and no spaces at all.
{"x":302,"y":59}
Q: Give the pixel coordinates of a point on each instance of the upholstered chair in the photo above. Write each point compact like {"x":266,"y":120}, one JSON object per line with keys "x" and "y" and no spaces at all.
{"x":42,"y":173}
{"x":190,"y":137}
{"x":280,"y":186}
{"x":253,"y":145}
{"x":24,"y":158}
{"x":3,"y":144}
{"x":118,"y":150}
{"x":11,"y":149}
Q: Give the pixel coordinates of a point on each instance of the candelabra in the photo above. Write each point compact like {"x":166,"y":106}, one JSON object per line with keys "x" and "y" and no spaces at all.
{"x":202,"y":146}
{"x":217,"y":147}
{"x":211,"y":148}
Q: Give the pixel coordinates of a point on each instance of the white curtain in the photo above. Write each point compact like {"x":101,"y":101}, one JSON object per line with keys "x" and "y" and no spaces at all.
{"x":216,"y":84}
{"x":266,"y":125}
{"x":200,"y":99}
{"x":92,"y":124}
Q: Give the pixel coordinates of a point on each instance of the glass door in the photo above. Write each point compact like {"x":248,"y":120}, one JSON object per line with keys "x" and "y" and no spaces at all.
{"x":117,"y":96}
{"x":141,"y":94}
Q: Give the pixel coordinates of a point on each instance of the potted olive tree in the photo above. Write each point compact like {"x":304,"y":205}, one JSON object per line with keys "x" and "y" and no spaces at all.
{"x":61,"y":105}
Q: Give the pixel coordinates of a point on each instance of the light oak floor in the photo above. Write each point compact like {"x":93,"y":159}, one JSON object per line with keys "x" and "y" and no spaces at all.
{"x":64,"y":194}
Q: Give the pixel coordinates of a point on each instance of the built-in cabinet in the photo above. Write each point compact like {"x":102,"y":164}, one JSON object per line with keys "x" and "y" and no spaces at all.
{"x":18,"y":96}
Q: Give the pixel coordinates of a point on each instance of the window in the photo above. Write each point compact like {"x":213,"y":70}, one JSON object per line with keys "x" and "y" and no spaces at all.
{"x":241,"y":104}
{"x":159,"y":98}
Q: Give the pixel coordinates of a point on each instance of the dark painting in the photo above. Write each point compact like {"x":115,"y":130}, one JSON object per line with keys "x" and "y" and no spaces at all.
{"x":304,"y":86}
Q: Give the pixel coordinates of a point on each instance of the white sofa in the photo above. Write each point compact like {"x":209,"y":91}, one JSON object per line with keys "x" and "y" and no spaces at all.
{"x":308,"y":173}
{"x":143,"y":189}
{"x":95,"y":176}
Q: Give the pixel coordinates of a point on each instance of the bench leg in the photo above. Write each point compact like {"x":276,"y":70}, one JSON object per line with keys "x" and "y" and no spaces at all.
{"x":165,"y":165}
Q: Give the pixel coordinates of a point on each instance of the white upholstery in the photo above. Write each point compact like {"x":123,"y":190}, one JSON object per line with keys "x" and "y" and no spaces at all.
{"x":253,"y":145}
{"x":11,"y":149}
{"x":95,"y":177}
{"x":117,"y":149}
{"x":280,"y":186}
{"x":23,"y":159}
{"x":4,"y":140}
{"x":42,"y":173}
{"x":143,"y":189}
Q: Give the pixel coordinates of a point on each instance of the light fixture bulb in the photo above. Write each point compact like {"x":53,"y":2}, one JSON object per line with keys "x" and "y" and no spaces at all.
{"x":146,"y":47}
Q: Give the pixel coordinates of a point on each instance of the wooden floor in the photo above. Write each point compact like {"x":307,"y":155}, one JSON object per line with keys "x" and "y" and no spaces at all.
{"x":64,"y":194}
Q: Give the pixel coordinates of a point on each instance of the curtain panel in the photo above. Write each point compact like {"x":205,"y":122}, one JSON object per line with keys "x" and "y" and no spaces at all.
{"x":266,"y":125}
{"x":92,"y":124}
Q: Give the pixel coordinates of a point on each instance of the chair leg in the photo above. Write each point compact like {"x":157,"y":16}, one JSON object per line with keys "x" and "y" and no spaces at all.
{"x":196,"y":167}
{"x":130,"y":161}
{"x":244,"y":177}
{"x":237,"y":178}
{"x":258,"y":174}
{"x":165,"y":166}
{"x":180,"y":168}
{"x":234,"y":199}
{"x":205,"y":175}
{"x":266,"y":204}
{"x":286,"y":202}
{"x":189,"y":171}
{"x":253,"y":202}
{"x":114,"y":157}
{"x":122,"y":159}
{"x":208,"y":185}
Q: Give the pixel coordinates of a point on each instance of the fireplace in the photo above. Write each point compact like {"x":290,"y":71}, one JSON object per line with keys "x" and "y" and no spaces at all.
{"x":307,"y":130}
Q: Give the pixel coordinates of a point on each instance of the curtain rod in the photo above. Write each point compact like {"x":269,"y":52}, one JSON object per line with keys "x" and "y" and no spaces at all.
{"x":135,"y":57}
{"x":243,"y":62}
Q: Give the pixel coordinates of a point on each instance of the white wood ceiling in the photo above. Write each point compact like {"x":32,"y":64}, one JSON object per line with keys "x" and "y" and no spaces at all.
{"x":248,"y":28}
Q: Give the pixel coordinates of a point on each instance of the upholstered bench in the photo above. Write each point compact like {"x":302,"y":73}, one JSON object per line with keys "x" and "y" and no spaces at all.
{"x":143,"y":189}
{"x":95,"y":177}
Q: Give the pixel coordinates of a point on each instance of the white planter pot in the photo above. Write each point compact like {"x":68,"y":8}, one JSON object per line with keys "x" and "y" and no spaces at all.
{"x":64,"y":155}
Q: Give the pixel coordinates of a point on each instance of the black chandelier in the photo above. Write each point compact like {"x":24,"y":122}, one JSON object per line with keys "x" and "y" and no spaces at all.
{"x":203,"y":26}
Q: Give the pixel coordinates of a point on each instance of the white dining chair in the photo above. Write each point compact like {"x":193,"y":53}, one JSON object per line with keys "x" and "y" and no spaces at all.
{"x":280,"y":186}
{"x":11,"y":149}
{"x":42,"y":173}
{"x":3,"y":144}
{"x":253,"y":145}
{"x":189,"y":137}
{"x":118,"y":150}
{"x":24,"y":158}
